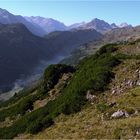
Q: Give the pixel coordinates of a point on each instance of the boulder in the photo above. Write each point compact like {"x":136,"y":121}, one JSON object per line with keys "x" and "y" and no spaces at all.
{"x":119,"y":114}
{"x":90,"y":97}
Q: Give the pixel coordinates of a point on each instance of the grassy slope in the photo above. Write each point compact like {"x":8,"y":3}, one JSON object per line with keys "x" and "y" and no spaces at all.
{"x":89,"y":122}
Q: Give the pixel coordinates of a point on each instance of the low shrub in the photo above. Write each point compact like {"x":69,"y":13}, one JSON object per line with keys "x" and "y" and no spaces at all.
{"x":109,"y":48}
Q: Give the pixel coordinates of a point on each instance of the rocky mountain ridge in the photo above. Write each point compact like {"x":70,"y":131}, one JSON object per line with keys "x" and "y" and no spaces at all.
{"x":99,"y":25}
{"x":41,"y":26}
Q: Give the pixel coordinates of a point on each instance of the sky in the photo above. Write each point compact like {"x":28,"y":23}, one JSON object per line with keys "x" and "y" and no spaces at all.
{"x":75,"y":11}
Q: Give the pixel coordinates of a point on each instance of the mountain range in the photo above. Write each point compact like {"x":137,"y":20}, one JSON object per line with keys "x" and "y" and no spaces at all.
{"x":100,"y":25}
{"x":41,"y":26}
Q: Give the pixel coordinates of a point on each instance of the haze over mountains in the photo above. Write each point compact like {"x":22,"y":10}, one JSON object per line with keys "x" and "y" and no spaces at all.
{"x":41,"y":26}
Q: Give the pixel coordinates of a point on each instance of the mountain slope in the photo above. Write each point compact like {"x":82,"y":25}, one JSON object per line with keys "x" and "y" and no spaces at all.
{"x":122,"y":34}
{"x":76,"y":25}
{"x":48,"y":24}
{"x":20,"y":52}
{"x":70,"y":40}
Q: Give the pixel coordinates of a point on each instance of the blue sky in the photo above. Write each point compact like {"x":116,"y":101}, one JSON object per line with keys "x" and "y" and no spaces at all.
{"x":76,"y":11}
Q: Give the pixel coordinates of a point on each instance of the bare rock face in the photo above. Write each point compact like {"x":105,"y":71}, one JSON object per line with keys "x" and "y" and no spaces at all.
{"x":119,"y":114}
{"x":66,"y":76}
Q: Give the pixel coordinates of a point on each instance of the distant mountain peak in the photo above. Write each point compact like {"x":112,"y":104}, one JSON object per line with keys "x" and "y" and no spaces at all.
{"x":113,"y":25}
{"x":99,"y":25}
{"x":96,"y":20}
{"x":124,"y":24}
{"x":3,"y":11}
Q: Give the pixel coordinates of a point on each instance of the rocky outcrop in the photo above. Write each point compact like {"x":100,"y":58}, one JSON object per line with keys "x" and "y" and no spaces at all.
{"x":63,"y":82}
{"x":127,"y":83}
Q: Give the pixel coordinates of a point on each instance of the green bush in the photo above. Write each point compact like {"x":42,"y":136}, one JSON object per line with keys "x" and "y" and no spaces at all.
{"x":35,"y":127}
{"x":109,"y":48}
{"x":25,"y":105}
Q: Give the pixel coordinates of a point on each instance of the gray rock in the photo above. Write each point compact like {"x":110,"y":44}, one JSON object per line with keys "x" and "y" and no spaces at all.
{"x":119,"y":114}
{"x":90,"y":97}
